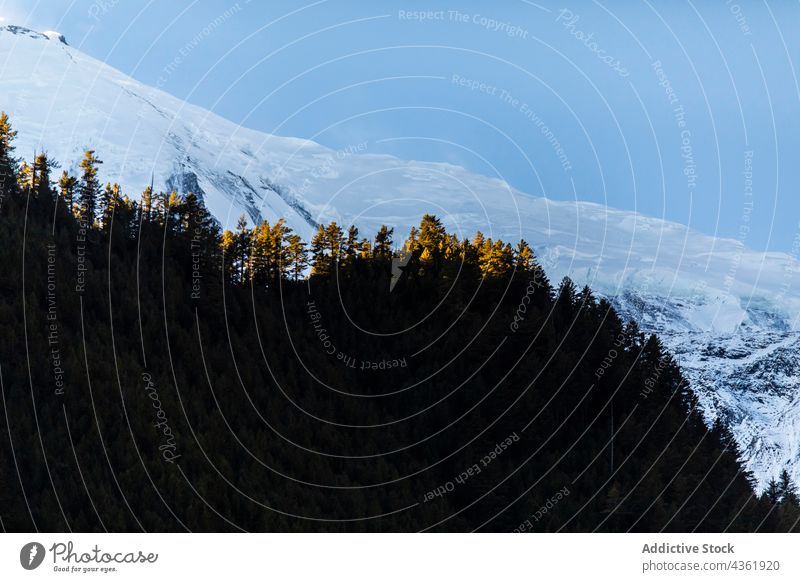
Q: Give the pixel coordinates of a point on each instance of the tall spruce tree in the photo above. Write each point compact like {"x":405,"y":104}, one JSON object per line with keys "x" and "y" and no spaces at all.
{"x":147,"y":204}
{"x":242,"y":249}
{"x":89,"y":188}
{"x":296,"y":256}
{"x":42,"y":167}
{"x":786,"y":489}
{"x":320,"y":260}
{"x":352,"y":246}
{"x":335,"y":242}
{"x":772,"y":492}
{"x":66,"y":189}
{"x":110,"y":201}
{"x":383,"y":243}
{"x":229,"y":257}
{"x":25,"y":178}
{"x":8,"y":164}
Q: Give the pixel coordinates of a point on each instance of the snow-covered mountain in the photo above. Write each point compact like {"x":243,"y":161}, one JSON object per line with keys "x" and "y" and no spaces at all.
{"x":729,"y":313}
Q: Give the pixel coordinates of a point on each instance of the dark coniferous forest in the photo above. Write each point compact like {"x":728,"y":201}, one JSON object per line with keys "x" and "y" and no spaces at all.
{"x":159,"y":374}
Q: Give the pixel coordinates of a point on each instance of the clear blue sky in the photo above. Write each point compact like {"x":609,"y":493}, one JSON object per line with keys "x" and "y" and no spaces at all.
{"x":579,"y":75}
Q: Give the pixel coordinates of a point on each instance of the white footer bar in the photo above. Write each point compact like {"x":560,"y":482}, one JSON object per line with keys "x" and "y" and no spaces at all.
{"x":398,"y":557}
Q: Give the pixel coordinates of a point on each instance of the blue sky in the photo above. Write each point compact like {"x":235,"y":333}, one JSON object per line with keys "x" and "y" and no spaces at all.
{"x":685,"y":110}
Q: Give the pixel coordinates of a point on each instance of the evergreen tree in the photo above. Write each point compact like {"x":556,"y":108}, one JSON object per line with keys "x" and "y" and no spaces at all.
{"x":170,"y":204}
{"x":258,"y":264}
{"x":242,"y":247}
{"x":320,"y":261}
{"x":633,"y":336}
{"x":280,"y":264}
{"x":773,"y":493}
{"x":365,"y":250}
{"x":8,"y":164}
{"x":269,"y":260}
{"x":42,"y":167}
{"x":25,"y":178}
{"x":469,"y":251}
{"x":228,"y":248}
{"x":565,"y":300}
{"x":786,"y":489}
{"x":526,"y":263}
{"x":110,"y":201}
{"x":495,"y":258}
{"x":66,"y":189}
{"x":432,"y":237}
{"x":89,"y":188}
{"x":335,"y":242}
{"x":412,"y":243}
{"x":352,"y":246}
{"x":383,"y":243}
{"x":196,"y":220}
{"x":147,"y":204}
{"x":296,"y":256}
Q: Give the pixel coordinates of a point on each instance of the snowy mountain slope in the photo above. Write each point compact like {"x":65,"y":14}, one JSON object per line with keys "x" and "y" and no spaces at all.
{"x":748,"y":378}
{"x":729,"y":312}
{"x":752,"y":382}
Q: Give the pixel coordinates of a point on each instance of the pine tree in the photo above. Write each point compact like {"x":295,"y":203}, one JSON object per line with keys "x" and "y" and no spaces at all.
{"x":196,"y":221}
{"x":147,"y":204}
{"x":634,"y":338}
{"x":787,"y":489}
{"x":89,"y":188}
{"x":525,"y":258}
{"x":228,"y":245}
{"x":268,"y":254}
{"x":365,"y":250}
{"x":335,"y":240}
{"x":170,"y":204}
{"x":127,"y":214}
{"x":432,"y":236}
{"x":25,"y":178}
{"x":41,"y":176}
{"x":320,"y":261}
{"x":469,"y":252}
{"x":280,"y":265}
{"x":565,"y":300}
{"x":351,"y":246}
{"x":66,"y":188}
{"x":200,"y":229}
{"x":504,"y":257}
{"x":383,"y":243}
{"x":8,"y":164}
{"x":258,"y":260}
{"x":296,"y":256}
{"x":105,"y":206}
{"x":110,"y":201}
{"x":412,"y":243}
{"x":242,"y":248}
{"x":495,"y":258}
{"x":451,"y":248}
{"x":773,"y":493}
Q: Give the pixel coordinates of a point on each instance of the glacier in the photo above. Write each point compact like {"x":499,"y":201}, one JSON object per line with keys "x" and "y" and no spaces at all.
{"x":728,"y":313}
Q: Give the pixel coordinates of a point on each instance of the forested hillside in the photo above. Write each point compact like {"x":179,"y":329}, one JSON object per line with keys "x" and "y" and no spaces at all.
{"x":161,"y":375}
